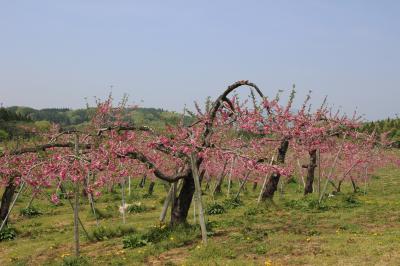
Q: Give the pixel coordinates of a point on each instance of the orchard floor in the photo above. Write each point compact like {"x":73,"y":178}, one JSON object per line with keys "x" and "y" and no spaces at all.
{"x":360,"y":229}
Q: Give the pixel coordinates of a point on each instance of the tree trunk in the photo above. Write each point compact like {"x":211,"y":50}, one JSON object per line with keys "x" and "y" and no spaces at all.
{"x":311,"y":172}
{"x":218,"y":188}
{"x":6,"y":199}
{"x":181,"y":208}
{"x":255,"y":186}
{"x":353,"y":183}
{"x":85,"y":186}
{"x":273,"y":181}
{"x":339,"y":187}
{"x":142,"y":181}
{"x":242,"y":185}
{"x":151,"y":188}
{"x":183,"y":201}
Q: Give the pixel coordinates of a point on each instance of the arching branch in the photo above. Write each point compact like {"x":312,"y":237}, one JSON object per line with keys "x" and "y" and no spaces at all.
{"x":157,"y":172}
{"x":217,"y":105}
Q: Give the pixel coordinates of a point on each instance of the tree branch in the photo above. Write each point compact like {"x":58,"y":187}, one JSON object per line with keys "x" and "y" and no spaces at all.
{"x":123,"y":128}
{"x":142,"y":158}
{"x":217,"y":105}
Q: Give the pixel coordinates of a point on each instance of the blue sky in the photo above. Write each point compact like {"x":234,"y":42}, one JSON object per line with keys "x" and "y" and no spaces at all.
{"x":169,"y":53}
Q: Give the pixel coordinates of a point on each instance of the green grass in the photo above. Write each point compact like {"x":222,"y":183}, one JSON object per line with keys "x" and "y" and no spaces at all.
{"x":348,"y":229}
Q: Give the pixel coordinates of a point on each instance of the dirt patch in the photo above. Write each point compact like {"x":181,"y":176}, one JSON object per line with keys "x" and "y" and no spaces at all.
{"x":175,"y":256}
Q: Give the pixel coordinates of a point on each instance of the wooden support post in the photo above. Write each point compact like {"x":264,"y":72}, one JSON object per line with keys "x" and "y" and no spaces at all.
{"x":76,"y":204}
{"x":265,"y":182}
{"x":195,"y":172}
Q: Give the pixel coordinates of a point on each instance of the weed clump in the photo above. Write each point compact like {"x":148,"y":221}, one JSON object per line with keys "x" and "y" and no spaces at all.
{"x":307,"y":204}
{"x":260,"y":249}
{"x":232,"y":203}
{"x":102,"y":233}
{"x":164,"y":237}
{"x":74,"y":261}
{"x":8,"y":233}
{"x":30,"y":212}
{"x":253,"y":211}
{"x":351,"y":201}
{"x":215,"y":209}
{"x":154,"y":235}
{"x":137,"y":207}
{"x":134,"y":241}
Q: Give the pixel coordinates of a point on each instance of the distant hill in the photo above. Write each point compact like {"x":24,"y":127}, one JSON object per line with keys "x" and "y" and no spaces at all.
{"x":15,"y":120}
{"x":391,"y":125}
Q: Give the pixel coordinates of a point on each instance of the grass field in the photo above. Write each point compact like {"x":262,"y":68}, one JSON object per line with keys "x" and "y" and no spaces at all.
{"x":360,"y":229}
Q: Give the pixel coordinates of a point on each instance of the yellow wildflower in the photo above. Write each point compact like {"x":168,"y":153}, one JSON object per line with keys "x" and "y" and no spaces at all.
{"x":268,"y":262}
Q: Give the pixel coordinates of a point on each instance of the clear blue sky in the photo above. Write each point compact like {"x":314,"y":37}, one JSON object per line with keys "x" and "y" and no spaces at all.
{"x":169,"y":53}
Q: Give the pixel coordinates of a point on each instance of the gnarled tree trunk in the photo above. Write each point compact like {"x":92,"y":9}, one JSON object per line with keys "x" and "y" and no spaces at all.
{"x":311,"y":172}
{"x":273,"y":180}
{"x":6,"y":199}
{"x":182,"y":204}
{"x":181,"y":207}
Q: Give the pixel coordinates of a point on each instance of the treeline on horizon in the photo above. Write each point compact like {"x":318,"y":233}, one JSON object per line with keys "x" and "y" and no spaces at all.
{"x":18,"y":121}
{"x":391,"y":126}
{"x":67,"y":117}
{"x":15,"y":119}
